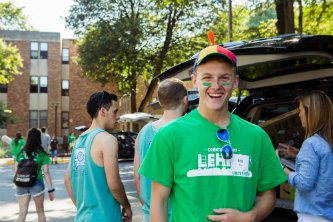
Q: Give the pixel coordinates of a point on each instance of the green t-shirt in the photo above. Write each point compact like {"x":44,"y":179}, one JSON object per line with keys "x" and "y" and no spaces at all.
{"x":17,"y":148}
{"x":40,"y":157}
{"x":71,"y":138}
{"x":186,"y":157}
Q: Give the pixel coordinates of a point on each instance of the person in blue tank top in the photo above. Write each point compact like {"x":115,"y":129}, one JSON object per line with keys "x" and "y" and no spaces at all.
{"x":92,"y":178}
{"x":172,"y":96}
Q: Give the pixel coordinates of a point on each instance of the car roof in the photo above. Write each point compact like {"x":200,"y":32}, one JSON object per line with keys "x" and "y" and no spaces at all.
{"x":278,"y":60}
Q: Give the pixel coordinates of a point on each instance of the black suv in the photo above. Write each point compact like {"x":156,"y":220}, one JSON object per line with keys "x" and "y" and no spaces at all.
{"x":125,"y":141}
{"x":274,"y":71}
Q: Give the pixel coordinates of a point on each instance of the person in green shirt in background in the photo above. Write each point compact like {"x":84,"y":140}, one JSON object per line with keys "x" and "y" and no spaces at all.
{"x":211,"y":162}
{"x":71,"y":139}
{"x":17,"y":144}
{"x":34,"y":150}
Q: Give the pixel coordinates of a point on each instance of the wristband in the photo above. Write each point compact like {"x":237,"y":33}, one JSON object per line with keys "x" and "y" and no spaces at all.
{"x":51,"y":190}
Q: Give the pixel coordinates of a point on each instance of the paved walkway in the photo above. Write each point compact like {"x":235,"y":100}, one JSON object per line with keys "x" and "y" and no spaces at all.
{"x":62,"y":208}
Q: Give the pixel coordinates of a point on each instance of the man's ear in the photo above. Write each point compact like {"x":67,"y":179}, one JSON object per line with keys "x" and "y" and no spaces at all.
{"x":185,"y":100}
{"x":194,"y":81}
{"x":102,"y":112}
{"x":235,"y":85}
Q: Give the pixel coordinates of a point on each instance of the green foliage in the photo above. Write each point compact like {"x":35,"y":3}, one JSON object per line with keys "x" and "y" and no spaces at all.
{"x":267,"y":28}
{"x":10,"y":61}
{"x":4,"y":118}
{"x":12,"y":18}
{"x":5,"y":150}
{"x":317,"y":17}
{"x":124,"y":39}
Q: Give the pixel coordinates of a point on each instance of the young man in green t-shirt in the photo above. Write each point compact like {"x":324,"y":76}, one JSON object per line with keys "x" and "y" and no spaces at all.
{"x":210,"y":162}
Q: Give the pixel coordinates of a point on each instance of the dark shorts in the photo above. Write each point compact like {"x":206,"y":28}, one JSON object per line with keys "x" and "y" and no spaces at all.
{"x":54,"y":153}
{"x":35,"y":191}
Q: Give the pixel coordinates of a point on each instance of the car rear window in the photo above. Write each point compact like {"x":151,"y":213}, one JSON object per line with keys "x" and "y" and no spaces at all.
{"x":268,"y":70}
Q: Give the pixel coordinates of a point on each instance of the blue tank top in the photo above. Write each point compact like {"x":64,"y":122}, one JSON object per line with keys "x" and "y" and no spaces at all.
{"x":145,"y":138}
{"x":94,"y":200}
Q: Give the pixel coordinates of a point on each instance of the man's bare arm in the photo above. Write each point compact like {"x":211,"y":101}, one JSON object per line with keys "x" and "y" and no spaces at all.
{"x":159,"y":202}
{"x":68,"y":183}
{"x":136,"y":171}
{"x":110,"y":162}
{"x":261,"y":209}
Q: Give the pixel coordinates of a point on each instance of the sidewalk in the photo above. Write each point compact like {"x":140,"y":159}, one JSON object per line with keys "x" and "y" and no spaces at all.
{"x":8,"y":161}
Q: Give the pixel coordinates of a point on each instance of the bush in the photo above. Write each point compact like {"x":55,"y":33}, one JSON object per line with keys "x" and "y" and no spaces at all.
{"x":5,"y":150}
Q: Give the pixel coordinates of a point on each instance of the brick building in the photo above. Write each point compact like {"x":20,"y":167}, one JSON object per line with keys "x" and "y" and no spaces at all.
{"x":49,"y":92}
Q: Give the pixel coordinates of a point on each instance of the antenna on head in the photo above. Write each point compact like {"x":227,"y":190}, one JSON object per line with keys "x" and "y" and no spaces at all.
{"x":211,"y":36}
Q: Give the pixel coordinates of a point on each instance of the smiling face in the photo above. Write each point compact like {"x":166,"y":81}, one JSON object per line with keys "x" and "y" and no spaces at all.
{"x":215,"y":81}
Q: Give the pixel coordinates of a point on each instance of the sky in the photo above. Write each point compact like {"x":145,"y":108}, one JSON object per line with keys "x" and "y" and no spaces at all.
{"x":45,"y":15}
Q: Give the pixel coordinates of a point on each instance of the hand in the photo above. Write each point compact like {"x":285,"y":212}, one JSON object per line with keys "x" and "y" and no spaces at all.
{"x":287,"y":151}
{"x":230,"y":215}
{"x":127,"y":214}
{"x":278,"y":152}
{"x":51,"y":196}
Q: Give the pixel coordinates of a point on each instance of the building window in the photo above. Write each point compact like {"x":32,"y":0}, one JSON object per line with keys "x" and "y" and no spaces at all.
{"x":42,"y":118}
{"x":43,"y":84}
{"x":37,"y":119}
{"x":38,"y":83}
{"x":33,"y":84}
{"x":65,"y":88}
{"x":33,"y":119}
{"x":34,"y":50}
{"x":64,"y":119}
{"x":43,"y":50}
{"x":3,"y":88}
{"x":65,"y":56}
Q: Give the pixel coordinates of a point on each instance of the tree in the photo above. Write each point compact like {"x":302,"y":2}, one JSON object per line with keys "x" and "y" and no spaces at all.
{"x":126,"y":39}
{"x":10,"y":62}
{"x":109,"y":50}
{"x":12,"y":18}
{"x":285,"y":16}
{"x":318,"y":17}
{"x":178,"y":18}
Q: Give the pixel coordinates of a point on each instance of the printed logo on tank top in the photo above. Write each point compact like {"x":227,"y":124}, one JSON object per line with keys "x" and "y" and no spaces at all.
{"x":212,"y":163}
{"x":79,"y":157}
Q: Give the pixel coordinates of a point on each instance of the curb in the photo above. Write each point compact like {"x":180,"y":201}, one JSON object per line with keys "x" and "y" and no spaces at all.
{"x":10,"y":162}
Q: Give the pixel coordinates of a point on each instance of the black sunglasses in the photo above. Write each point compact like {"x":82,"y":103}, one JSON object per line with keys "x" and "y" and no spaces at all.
{"x":223,"y":135}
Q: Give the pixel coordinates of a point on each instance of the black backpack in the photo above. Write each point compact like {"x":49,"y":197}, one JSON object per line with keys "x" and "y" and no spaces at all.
{"x":26,"y":173}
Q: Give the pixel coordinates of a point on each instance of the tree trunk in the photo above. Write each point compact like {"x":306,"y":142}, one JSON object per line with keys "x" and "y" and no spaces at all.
{"x":300,"y":17}
{"x":133,"y":102}
{"x":230,"y":21}
{"x":172,"y":19}
{"x":285,"y":16}
{"x":150,"y":91}
{"x":133,"y":98}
